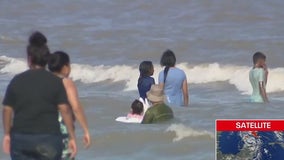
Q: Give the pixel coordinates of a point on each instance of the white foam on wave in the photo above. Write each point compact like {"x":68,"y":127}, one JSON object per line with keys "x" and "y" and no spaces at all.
{"x":235,"y":75}
{"x":181,"y":132}
{"x":199,"y":74}
{"x":13,"y":66}
{"x":91,"y":74}
{"x":5,"y":38}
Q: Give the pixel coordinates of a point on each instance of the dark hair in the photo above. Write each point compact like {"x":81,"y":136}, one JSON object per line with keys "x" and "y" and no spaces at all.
{"x":168,"y":60}
{"x":145,"y":68}
{"x":137,"y":107}
{"x":257,"y":56}
{"x":57,"y":61}
{"x":37,"y":49}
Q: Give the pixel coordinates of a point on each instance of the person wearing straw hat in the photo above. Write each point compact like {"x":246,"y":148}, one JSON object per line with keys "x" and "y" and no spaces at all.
{"x":159,"y":112}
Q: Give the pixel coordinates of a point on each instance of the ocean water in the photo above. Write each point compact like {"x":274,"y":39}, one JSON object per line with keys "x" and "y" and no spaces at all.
{"x":246,"y":146}
{"x":213,"y":40}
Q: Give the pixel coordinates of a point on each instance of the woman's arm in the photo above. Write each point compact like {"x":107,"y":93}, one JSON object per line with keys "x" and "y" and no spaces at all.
{"x":77,"y":108}
{"x":161,"y":85}
{"x":7,"y":122}
{"x":185,"y":93}
{"x":161,"y":80}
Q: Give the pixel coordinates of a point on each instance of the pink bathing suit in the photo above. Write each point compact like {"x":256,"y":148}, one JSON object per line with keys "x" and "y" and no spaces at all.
{"x":130,"y":115}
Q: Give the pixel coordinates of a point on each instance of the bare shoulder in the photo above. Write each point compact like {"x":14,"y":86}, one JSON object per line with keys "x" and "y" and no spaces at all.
{"x":68,"y":83}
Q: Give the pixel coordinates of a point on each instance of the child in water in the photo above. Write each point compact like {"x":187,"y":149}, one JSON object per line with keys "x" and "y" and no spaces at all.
{"x":258,"y":78}
{"x":136,"y":110}
{"x":145,"y":80}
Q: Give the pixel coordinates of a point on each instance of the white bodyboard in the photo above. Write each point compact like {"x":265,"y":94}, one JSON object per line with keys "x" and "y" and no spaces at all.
{"x":128,"y":120}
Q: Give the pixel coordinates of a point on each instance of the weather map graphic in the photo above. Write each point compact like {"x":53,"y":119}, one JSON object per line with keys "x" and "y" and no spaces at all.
{"x":249,"y":139}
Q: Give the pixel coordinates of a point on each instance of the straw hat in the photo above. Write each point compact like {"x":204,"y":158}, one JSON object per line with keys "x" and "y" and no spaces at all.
{"x":156,"y":94}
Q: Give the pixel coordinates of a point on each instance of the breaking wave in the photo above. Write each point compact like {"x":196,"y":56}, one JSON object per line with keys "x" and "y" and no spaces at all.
{"x":202,"y":73}
{"x":182,"y":132}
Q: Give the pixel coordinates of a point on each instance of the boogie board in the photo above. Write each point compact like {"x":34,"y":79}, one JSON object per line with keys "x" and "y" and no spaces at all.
{"x":125,"y":119}
{"x":128,"y":120}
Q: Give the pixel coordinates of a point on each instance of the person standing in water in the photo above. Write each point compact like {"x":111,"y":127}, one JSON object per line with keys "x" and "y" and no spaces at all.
{"x":258,"y":76}
{"x":173,"y":80}
{"x":145,"y":80}
{"x":30,"y":113}
{"x":59,"y":64}
{"x":159,"y":112}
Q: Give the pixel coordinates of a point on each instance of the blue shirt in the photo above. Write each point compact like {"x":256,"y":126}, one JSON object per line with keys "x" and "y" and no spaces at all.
{"x":144,"y":85}
{"x":173,"y":85}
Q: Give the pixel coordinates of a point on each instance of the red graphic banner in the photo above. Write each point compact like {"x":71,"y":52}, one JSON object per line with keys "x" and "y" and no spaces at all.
{"x":249,"y":125}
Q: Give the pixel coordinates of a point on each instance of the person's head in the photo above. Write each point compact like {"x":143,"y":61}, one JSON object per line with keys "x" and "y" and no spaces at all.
{"x":59,"y":62}
{"x":137,"y":107}
{"x":168,"y":59}
{"x":146,"y":68}
{"x":156,"y":94}
{"x":259,"y":59}
{"x":37,"y":50}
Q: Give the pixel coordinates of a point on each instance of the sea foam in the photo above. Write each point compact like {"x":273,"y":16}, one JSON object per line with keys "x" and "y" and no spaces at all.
{"x":181,"y":132}
{"x":198,"y":74}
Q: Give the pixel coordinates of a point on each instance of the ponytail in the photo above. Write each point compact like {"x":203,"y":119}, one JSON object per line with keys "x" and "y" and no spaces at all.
{"x":168,"y":60}
{"x":166,"y":70}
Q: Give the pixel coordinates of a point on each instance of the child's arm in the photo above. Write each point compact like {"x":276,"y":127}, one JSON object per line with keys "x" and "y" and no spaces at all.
{"x":265,"y":72}
{"x":153,"y":81}
{"x":263,"y":91}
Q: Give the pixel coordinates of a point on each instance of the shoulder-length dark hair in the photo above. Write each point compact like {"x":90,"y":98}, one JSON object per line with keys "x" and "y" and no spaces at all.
{"x":145,"y":68}
{"x":57,"y":61}
{"x":168,"y":60}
